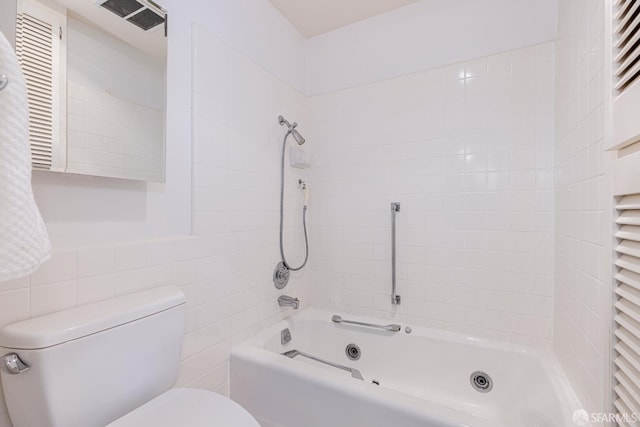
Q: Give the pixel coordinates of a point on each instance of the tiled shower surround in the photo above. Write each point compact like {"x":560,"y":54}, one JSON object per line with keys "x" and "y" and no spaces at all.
{"x":468,"y":152}
{"x":583,"y":219}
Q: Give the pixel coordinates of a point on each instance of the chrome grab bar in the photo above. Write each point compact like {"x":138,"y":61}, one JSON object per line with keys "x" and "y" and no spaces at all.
{"x":391,"y":328}
{"x":395,"y":298}
{"x":354,"y":372}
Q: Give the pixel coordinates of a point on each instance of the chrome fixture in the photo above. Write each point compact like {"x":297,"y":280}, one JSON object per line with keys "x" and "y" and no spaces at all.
{"x":12,"y":364}
{"x":392,"y":328}
{"x":481,"y":381}
{"x":292,"y":130}
{"x":408,"y":330}
{"x":395,"y":298}
{"x":353,"y":352}
{"x":294,"y":353}
{"x":4,"y":81}
{"x":281,"y":277}
{"x":285,"y":336}
{"x":287,"y":301}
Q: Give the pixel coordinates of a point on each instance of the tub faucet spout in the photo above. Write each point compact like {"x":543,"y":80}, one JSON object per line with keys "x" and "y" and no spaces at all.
{"x":287,"y":301}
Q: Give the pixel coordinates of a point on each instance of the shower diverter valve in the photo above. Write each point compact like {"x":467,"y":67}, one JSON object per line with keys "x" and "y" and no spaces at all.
{"x":281,"y":275}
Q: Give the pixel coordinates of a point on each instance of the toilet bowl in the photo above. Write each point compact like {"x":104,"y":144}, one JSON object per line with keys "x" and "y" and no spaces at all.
{"x":112,"y":363}
{"x":189,"y":408}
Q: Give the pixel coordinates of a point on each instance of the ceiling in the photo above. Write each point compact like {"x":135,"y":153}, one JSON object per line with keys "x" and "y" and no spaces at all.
{"x":315,"y":17}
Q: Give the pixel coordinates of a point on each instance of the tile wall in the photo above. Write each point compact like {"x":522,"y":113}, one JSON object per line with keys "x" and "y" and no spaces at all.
{"x":468,"y":152}
{"x":236,"y":189}
{"x":111,"y":136}
{"x":583,"y":203}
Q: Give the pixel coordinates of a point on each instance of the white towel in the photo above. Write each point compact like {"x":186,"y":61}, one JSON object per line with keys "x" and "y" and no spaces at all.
{"x":24,"y":243}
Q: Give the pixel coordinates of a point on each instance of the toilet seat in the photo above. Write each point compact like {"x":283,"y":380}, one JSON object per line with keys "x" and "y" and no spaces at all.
{"x":189,"y":408}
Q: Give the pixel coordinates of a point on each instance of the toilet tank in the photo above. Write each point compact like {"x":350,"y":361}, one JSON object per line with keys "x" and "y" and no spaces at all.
{"x":92,"y":364}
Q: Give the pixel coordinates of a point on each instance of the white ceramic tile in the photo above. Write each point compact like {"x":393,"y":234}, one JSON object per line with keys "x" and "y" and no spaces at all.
{"x":481,"y":175}
{"x":581,"y":208}
{"x":61,"y":267}
{"x":96,"y":288}
{"x":130,"y":281}
{"x":14,"y":306}
{"x":53,"y":297}
{"x":130,"y":255}
{"x":95,"y":260}
{"x":159,"y":275}
{"x":201,"y":363}
{"x":119,"y":149}
{"x":14,"y":284}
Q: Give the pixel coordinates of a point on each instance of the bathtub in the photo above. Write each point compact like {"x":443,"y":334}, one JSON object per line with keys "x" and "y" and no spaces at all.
{"x":403,"y":379}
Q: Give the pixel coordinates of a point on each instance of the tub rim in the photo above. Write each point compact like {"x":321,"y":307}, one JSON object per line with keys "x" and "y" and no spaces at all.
{"x":254,"y":350}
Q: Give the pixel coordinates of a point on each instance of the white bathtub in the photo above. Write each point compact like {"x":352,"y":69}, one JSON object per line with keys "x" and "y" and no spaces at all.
{"x":424,"y":379}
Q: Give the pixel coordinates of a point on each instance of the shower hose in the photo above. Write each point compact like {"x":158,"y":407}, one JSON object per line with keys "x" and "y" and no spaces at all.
{"x":304,"y":217}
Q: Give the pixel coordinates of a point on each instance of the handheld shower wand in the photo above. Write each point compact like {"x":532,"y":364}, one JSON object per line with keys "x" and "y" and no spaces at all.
{"x":305,"y":188}
{"x":282,"y":271}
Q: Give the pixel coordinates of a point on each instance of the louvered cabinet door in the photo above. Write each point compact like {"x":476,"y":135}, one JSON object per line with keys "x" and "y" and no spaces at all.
{"x":627,"y":36}
{"x":42,"y":56}
{"x":627,"y":305}
{"x":626,"y":72}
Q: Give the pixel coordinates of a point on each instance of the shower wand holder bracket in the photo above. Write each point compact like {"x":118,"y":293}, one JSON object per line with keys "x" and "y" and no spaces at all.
{"x":281,"y":275}
{"x":298,"y":158}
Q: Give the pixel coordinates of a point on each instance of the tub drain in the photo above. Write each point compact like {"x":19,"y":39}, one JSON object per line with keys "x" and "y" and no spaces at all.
{"x":481,"y":381}
{"x":353,"y":352}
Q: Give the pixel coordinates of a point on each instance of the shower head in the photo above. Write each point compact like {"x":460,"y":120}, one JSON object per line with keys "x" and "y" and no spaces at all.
{"x":292,"y":129}
{"x":296,"y":135}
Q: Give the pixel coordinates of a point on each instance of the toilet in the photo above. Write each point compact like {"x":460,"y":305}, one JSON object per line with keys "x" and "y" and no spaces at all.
{"x":112,"y":363}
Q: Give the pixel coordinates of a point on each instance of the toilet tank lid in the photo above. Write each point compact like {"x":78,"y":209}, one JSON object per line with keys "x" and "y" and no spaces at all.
{"x":60,"y":327}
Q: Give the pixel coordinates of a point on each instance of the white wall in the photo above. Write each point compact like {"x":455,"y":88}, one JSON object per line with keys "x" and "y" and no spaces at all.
{"x":424,"y":35}
{"x":467,"y":150}
{"x":583,"y":199}
{"x":253,"y":27}
{"x":113,"y":236}
{"x":88,"y":210}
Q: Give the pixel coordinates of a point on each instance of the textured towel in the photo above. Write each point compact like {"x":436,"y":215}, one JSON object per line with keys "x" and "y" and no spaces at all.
{"x":24,"y":243}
